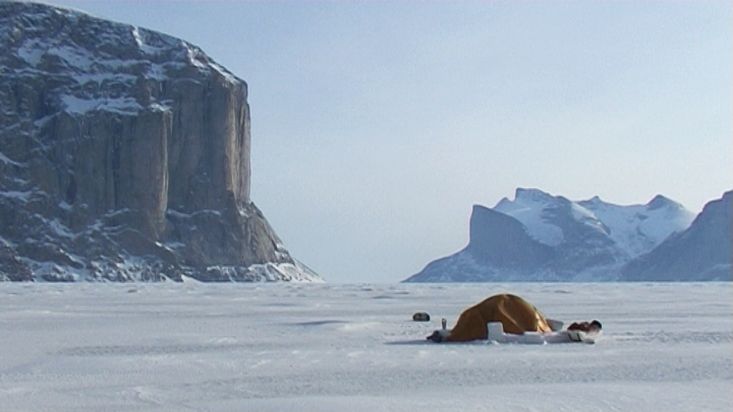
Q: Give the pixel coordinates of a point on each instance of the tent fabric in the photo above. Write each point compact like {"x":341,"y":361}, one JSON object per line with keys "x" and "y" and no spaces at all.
{"x":515,"y":314}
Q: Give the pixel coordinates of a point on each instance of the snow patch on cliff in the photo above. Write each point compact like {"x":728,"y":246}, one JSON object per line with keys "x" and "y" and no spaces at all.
{"x":122,"y":105}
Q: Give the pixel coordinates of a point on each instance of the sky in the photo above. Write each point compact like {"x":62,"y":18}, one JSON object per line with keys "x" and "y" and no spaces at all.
{"x":376,"y":125}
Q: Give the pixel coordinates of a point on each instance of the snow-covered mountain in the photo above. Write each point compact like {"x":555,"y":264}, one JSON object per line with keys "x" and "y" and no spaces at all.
{"x":637,"y":229}
{"x":124,"y":155}
{"x":538,"y":236}
{"x":702,"y":252}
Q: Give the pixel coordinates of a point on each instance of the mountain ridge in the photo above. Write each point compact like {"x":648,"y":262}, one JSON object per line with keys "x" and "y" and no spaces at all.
{"x":704,"y":251}
{"x":583,"y":240}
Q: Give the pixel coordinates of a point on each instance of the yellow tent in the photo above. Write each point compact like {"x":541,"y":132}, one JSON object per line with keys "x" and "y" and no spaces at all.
{"x":516,"y":315}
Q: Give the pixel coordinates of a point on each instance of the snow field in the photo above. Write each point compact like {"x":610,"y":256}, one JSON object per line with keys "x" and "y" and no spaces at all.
{"x":323,"y":347}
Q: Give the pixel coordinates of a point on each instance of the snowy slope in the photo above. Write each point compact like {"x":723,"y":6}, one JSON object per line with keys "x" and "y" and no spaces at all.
{"x":281,"y":347}
{"x":532,"y":207}
{"x":637,"y":229}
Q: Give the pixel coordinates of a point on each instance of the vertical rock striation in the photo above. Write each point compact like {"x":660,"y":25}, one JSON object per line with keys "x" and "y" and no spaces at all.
{"x":125,"y":155}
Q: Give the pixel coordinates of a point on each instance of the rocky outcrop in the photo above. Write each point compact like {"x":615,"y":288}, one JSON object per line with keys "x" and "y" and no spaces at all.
{"x":499,"y":247}
{"x":501,"y":241}
{"x":125,"y":156}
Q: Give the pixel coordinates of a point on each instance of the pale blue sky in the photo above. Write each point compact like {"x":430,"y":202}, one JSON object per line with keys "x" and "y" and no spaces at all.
{"x":377,"y":125}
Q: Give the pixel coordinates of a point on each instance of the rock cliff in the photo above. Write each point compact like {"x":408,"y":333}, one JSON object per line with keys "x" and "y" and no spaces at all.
{"x":125,"y":155}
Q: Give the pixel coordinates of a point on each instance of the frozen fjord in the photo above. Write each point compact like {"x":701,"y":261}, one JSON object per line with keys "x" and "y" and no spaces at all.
{"x":275,"y":347}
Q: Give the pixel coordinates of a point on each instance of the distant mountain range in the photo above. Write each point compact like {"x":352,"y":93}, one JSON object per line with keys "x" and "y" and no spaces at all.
{"x":541,"y":237}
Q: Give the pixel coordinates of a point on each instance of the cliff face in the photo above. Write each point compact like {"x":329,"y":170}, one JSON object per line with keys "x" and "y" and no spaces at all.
{"x":125,"y":156}
{"x":501,"y":241}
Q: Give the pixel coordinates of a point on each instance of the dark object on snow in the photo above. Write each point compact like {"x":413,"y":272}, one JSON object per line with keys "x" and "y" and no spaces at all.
{"x":435,"y":337}
{"x":421,"y":317}
{"x":593,"y":326}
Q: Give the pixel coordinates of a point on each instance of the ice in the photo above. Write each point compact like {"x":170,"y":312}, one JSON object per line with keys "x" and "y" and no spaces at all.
{"x":174,"y":245}
{"x":295,"y":272}
{"x":157,"y":107}
{"x":326,"y":347}
{"x":75,"y":57}
{"x":194,"y":56}
{"x":123,"y":105}
{"x":142,"y":45}
{"x":136,"y":36}
{"x":224,"y":72}
{"x":104,"y":77}
{"x":158,"y":72}
{"x":58,"y":228}
{"x":181,"y":215}
{"x":5,"y":242}
{"x":8,"y":160}
{"x":17,"y":195}
{"x":32,"y":52}
{"x":584,"y":215}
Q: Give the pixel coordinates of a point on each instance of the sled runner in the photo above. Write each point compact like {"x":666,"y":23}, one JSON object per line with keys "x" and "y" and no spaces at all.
{"x":586,"y":337}
{"x":497,"y":334}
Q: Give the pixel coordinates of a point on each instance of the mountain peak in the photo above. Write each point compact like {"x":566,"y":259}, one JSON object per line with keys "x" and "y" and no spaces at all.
{"x":546,"y":237}
{"x":531,"y":194}
{"x":660,"y":201}
{"x":700,"y":252}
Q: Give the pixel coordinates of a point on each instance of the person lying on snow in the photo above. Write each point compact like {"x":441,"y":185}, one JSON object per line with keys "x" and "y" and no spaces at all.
{"x":516,"y":316}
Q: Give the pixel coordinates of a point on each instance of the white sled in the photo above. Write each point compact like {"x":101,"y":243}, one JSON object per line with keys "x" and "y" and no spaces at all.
{"x":497,"y":334}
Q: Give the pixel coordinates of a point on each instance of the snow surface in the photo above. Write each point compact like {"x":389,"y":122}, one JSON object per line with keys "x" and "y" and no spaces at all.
{"x":323,"y":347}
